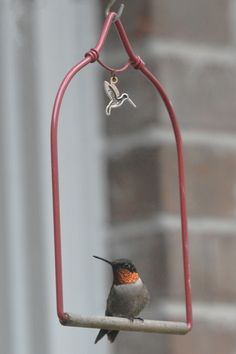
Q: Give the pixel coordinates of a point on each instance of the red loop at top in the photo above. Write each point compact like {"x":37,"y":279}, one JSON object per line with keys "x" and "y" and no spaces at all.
{"x":115,"y":70}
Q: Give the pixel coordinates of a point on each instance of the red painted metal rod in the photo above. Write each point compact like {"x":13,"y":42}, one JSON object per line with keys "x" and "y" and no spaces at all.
{"x":183,"y":211}
{"x":137,"y":63}
{"x":124,"y":324}
{"x":89,"y":58}
{"x":115,"y":70}
{"x":125,"y":40}
{"x":55,"y":183}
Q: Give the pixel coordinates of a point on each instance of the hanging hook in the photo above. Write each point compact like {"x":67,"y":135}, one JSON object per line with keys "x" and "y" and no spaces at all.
{"x":119,"y":13}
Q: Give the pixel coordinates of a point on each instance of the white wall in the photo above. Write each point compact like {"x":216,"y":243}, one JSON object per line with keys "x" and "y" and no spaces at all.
{"x":39,"y":42}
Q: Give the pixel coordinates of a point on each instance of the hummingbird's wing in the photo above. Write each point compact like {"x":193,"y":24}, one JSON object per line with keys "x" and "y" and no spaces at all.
{"x":107,"y":313}
{"x":111,"y":90}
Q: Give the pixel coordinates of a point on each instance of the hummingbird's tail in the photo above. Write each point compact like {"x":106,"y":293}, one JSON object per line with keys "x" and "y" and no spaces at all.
{"x":108,"y":108}
{"x":110,"y":334}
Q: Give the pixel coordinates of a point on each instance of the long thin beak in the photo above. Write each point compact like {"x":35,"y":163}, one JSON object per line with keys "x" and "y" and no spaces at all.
{"x":133,"y":104}
{"x":103,"y":259}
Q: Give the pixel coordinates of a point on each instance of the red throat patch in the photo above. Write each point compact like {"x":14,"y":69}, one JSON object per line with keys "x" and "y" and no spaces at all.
{"x":124,"y":276}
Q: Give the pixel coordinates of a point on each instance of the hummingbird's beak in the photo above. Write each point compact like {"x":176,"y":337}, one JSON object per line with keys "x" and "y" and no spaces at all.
{"x":103,"y":259}
{"x":131,"y":102}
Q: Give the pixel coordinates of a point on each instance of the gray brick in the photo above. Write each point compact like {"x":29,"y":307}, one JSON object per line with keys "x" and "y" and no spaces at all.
{"x":210,"y":181}
{"x":200,"y":21}
{"x":204,"y":339}
{"x":139,"y":343}
{"x":212,"y":258}
{"x":133,"y":187}
{"x":203,"y":93}
{"x":158,"y":258}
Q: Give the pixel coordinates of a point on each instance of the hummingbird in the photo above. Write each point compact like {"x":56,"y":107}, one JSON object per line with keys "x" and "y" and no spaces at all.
{"x":116,"y":100}
{"x":128,"y":294}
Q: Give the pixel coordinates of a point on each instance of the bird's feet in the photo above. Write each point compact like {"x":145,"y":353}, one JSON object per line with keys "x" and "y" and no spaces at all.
{"x":136,"y":318}
{"x":132,"y":318}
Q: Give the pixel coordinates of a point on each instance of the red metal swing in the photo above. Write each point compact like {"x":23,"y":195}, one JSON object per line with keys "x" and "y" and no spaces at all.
{"x":103,"y":321}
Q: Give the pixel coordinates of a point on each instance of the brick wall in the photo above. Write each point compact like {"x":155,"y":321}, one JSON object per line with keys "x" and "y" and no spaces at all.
{"x":190,"y":46}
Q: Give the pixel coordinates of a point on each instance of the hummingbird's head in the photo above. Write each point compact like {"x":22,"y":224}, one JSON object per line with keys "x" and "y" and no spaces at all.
{"x":125,"y":97}
{"x":124,"y":271}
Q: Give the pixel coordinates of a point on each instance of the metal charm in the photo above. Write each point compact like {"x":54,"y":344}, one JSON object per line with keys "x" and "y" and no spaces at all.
{"x":116,"y":100}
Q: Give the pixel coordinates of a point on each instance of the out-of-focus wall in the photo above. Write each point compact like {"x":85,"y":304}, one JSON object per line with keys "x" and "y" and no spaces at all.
{"x":190,"y":46}
{"x":39,"y":42}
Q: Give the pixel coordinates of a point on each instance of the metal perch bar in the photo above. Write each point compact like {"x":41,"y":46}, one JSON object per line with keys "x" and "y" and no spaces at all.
{"x":114,"y":322}
{"x":117,"y":323}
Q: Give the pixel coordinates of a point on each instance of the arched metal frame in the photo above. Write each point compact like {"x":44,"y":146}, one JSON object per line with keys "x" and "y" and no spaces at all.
{"x":115,"y":322}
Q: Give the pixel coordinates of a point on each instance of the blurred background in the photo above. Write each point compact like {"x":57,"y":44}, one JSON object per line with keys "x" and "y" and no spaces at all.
{"x":118,"y":176}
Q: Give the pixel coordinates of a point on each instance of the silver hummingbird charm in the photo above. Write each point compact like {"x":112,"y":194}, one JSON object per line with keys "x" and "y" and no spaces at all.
{"x":127,"y":297}
{"x":116,"y":99}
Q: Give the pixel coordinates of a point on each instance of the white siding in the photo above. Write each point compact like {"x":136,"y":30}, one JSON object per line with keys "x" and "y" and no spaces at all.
{"x":39,"y":42}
